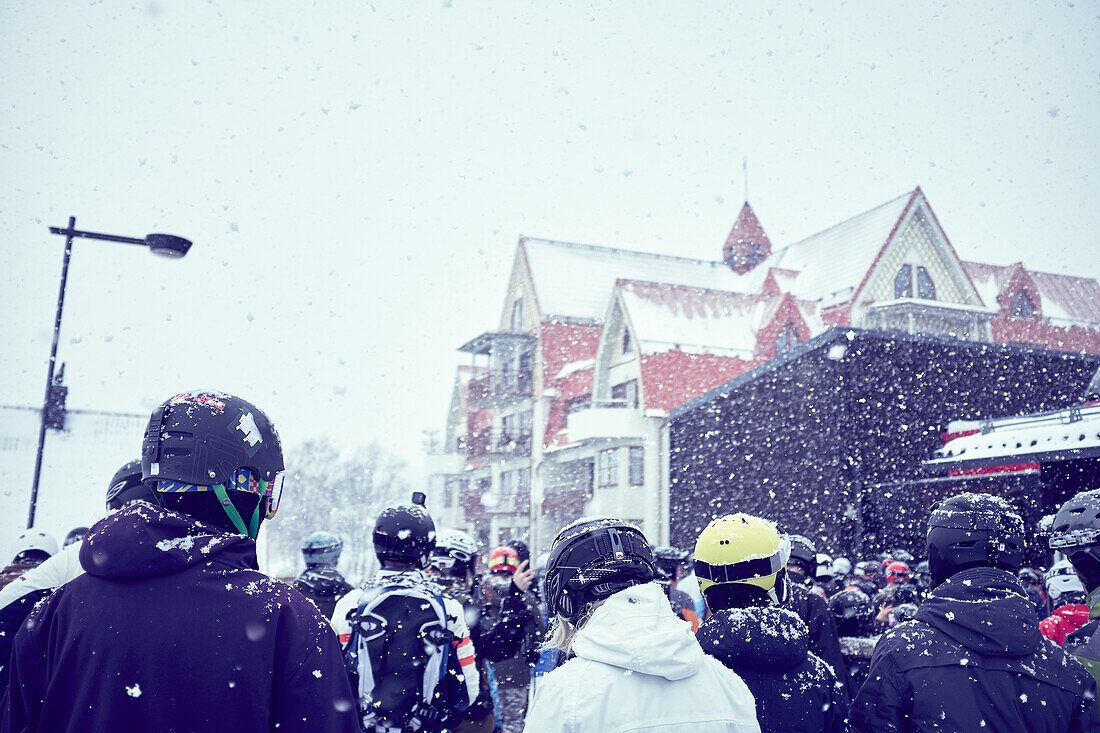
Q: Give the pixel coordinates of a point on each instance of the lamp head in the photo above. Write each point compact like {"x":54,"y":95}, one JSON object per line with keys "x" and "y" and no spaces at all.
{"x":167,"y":245}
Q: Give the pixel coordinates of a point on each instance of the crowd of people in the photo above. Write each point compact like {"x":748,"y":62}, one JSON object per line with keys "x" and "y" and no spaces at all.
{"x":157,"y":617}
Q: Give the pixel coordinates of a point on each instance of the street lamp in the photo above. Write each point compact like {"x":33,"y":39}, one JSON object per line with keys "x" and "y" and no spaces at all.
{"x":166,"y":245}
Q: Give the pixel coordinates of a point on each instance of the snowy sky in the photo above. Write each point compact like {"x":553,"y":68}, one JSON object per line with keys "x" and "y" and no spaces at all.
{"x":355,"y":175}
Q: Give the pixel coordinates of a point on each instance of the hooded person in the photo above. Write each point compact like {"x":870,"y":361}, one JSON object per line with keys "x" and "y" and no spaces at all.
{"x":631,"y":664}
{"x":19,"y":597}
{"x":855,"y":621}
{"x":1076,"y":533}
{"x":669,"y":562}
{"x":1066,"y":596}
{"x":321,"y":582}
{"x":181,"y":630}
{"x":812,"y":607}
{"x":741,"y":562}
{"x":973,"y":658}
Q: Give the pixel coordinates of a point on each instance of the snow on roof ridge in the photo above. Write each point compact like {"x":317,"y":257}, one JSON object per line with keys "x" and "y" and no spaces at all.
{"x":873,"y":209}
{"x":1028,"y":269}
{"x":619,"y":250}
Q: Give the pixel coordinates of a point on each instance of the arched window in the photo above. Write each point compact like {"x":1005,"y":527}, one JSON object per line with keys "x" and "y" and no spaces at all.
{"x":910,"y":275}
{"x":1022,"y":307}
{"x":787,"y":339}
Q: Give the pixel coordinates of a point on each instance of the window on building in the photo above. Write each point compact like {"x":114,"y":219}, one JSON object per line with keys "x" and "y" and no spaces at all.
{"x":516,"y":321}
{"x":626,"y":393}
{"x":628,"y":343}
{"x":1022,"y":307}
{"x":454,"y":490}
{"x":926,"y":289}
{"x":607,"y":467}
{"x":787,"y":339}
{"x":507,"y":482}
{"x":910,"y":275}
{"x":637,"y":465}
{"x":576,"y":404}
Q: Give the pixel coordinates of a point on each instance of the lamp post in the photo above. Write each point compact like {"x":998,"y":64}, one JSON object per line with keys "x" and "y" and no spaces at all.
{"x":166,"y":245}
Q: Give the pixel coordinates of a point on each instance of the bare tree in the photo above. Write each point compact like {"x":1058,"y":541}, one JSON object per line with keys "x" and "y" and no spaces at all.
{"x":339,"y":492}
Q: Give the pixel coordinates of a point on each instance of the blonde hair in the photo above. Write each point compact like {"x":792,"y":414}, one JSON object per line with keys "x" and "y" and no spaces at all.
{"x":562,"y":631}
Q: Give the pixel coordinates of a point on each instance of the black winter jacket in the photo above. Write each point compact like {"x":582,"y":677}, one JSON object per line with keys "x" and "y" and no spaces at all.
{"x":973,"y":659}
{"x":323,"y":585}
{"x":824,"y":640}
{"x":769,"y":649}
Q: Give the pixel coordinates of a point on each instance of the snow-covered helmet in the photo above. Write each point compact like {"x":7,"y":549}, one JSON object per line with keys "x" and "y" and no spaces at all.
{"x":592,"y":559}
{"x":322,"y":548}
{"x":971,"y":530}
{"x":866,"y":569}
{"x":853,"y":612}
{"x":76,"y":534}
{"x":842,"y":567}
{"x":455,"y":552}
{"x":667,"y":560}
{"x":803,"y":554}
{"x":404,"y":533}
{"x":34,"y":545}
{"x":824,"y":570}
{"x":1062,"y":585}
{"x":1030,"y":576}
{"x":742,"y":560}
{"x":126,"y":486}
{"x":1076,"y":533}
{"x":209,"y":441}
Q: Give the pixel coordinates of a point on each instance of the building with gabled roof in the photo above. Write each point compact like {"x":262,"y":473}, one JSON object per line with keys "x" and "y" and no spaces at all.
{"x":561,"y":412}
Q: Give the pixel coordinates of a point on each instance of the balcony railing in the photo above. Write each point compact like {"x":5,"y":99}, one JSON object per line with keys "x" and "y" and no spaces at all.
{"x":499,"y":388}
{"x":606,"y":421}
{"x":497,"y":443}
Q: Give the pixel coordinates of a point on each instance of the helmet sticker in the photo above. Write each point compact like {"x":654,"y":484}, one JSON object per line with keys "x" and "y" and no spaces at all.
{"x":247,"y":425}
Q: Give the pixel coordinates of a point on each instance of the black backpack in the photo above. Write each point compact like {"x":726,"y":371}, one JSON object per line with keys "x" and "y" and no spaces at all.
{"x":401,"y":657}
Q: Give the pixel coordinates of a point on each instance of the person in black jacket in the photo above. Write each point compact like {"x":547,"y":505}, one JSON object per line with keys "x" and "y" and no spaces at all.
{"x":855,"y":620}
{"x":321,"y":582}
{"x":973,"y":658}
{"x":741,"y":562}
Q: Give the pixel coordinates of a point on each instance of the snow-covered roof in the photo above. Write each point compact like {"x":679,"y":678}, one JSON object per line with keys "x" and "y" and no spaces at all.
{"x":693,"y":319}
{"x":576,"y":280}
{"x":1065,"y":299}
{"x":1059,"y":435}
{"x":832,"y":263}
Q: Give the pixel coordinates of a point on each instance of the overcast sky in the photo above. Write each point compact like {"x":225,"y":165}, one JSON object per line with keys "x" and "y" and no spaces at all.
{"x":355,"y":175}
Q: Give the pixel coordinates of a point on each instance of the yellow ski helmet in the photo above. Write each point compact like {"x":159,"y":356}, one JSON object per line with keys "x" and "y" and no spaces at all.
{"x":739,"y":548}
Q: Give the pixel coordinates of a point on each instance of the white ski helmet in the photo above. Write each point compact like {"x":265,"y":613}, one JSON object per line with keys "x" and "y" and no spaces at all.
{"x":35,"y":539}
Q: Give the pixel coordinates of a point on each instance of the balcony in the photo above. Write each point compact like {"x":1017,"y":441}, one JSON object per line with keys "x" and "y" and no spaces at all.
{"x":611,"y":420}
{"x":497,"y":443}
{"x":477,"y":505}
{"x":499,"y":388}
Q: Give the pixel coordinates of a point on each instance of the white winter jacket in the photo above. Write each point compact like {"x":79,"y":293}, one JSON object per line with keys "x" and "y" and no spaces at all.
{"x":57,"y":570}
{"x":639,"y":668}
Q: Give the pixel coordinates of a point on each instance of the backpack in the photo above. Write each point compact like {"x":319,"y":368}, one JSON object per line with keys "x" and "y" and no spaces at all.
{"x":402,"y":655}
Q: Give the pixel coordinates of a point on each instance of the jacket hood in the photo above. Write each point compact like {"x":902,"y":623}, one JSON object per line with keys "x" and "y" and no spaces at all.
{"x":636,"y":630}
{"x":324,"y":580}
{"x":769,"y":637}
{"x":984,"y":609}
{"x":142,"y":540}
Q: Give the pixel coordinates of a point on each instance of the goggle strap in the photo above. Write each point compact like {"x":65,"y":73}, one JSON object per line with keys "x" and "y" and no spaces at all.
{"x":230,"y":510}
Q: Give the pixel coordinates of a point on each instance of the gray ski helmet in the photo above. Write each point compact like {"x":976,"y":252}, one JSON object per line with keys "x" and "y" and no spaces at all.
{"x":1076,"y":533}
{"x":126,"y":486}
{"x":201,"y":437}
{"x":322,"y":548}
{"x":592,"y":559}
{"x":803,"y":554}
{"x":404,"y":533}
{"x":975,"y":529}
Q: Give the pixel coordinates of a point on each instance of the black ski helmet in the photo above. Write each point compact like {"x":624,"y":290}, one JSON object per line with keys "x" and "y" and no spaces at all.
{"x":126,"y":486}
{"x":971,"y":530}
{"x":1076,"y":533}
{"x":803,"y":554}
{"x":592,"y":559}
{"x":853,"y":612}
{"x":667,"y":559}
{"x":404,"y":533}
{"x":201,"y":437}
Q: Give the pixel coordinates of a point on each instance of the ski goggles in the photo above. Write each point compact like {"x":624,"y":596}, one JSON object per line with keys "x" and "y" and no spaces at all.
{"x":242,"y":479}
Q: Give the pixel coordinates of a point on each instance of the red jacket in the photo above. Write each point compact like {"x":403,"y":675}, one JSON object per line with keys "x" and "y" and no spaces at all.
{"x":1064,"y":621}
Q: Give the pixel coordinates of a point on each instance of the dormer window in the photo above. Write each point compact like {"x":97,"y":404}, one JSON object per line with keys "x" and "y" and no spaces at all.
{"x":1022,"y":307}
{"x":787,"y":339}
{"x":628,"y":343}
{"x":516,"y":322}
{"x":914,"y":275}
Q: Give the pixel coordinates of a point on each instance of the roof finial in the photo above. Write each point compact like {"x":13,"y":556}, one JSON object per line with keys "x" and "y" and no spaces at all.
{"x":745,"y":168}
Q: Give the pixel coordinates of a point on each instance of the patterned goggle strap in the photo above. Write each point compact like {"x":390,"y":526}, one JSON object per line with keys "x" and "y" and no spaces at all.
{"x":240,"y":480}
{"x":745,"y":570}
